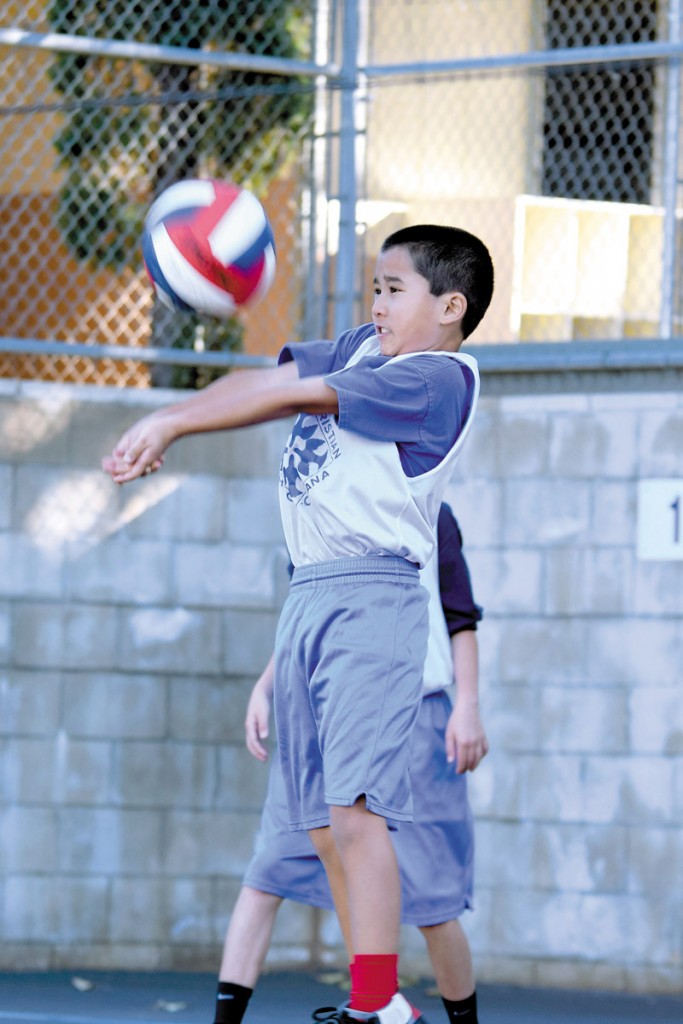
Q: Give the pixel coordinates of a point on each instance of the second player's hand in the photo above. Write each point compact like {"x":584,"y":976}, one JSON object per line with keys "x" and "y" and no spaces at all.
{"x":256,"y":723}
{"x":466,"y":742}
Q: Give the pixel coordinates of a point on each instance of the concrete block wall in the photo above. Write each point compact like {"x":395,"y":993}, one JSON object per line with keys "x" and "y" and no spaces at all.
{"x":133,"y":622}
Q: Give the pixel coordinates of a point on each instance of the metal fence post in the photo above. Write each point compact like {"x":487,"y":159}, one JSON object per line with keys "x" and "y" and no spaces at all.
{"x":345,"y":272}
{"x":670,"y":182}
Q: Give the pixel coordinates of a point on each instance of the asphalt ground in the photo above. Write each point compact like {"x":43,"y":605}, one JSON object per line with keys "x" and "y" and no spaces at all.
{"x":117,"y":997}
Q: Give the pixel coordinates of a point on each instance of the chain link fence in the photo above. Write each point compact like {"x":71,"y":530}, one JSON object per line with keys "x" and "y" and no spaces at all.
{"x":548,"y":127}
{"x":89,"y":139}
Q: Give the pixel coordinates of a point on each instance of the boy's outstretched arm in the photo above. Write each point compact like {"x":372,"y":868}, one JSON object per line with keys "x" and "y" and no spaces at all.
{"x":237,"y":400}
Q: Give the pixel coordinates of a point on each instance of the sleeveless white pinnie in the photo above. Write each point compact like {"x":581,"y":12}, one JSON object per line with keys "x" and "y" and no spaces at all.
{"x":438,"y":667}
{"x":345,"y":496}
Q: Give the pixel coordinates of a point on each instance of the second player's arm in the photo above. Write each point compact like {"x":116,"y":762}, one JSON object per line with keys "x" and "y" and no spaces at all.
{"x":239,"y":399}
{"x":466,"y":741}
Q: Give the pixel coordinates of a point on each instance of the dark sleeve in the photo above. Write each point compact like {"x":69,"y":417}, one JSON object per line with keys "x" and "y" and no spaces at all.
{"x":459,"y":608}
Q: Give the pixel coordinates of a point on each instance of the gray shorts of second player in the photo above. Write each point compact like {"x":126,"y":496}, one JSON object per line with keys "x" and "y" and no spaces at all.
{"x":435,"y":852}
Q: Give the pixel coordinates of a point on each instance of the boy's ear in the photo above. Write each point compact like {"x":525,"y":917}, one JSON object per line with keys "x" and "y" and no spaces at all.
{"x":454,"y":307}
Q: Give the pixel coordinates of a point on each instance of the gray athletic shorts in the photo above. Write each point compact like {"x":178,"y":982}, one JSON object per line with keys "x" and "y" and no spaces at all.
{"x":349,"y":655}
{"x":435,"y":852}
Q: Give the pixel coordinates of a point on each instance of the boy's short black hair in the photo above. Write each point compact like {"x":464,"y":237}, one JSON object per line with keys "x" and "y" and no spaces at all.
{"x":452,"y":260}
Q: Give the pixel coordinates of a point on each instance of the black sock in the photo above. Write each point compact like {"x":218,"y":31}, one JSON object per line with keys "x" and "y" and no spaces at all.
{"x":462,"y":1011}
{"x":231,"y":1002}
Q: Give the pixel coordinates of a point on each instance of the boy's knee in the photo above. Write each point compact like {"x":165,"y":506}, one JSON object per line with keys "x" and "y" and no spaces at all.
{"x":350,"y":824}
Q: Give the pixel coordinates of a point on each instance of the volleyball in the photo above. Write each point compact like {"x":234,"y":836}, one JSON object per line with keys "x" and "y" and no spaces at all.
{"x":208,"y":247}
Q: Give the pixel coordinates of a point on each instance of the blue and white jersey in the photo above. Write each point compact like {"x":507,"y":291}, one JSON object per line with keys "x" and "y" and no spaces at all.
{"x":370,"y":481}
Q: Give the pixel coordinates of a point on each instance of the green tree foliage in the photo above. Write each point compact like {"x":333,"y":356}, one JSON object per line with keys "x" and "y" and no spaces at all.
{"x":131,"y":129}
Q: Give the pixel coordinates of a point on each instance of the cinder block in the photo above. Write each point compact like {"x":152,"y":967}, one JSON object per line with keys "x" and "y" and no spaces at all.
{"x":58,"y":505}
{"x":495,"y":789}
{"x":242,"y":780}
{"x":203,"y":843}
{"x":580,"y":858}
{"x":28,"y":838}
{"x":576,"y":719}
{"x":546,"y":512}
{"x":115,"y":706}
{"x":121,"y":570}
{"x":656,"y":720}
{"x":209,"y":710}
{"x":28,"y":568}
{"x":179,"y":506}
{"x":550,"y":787}
{"x":511,"y":717}
{"x":173,"y":639}
{"x":480,"y":453}
{"x":529,"y":923}
{"x":660,"y":443}
{"x":507,"y":581}
{"x":477,"y":504}
{"x":253,"y":513}
{"x":6,"y":633}
{"x":34,"y":427}
{"x":630,"y":791}
{"x":634,"y":651}
{"x":655,"y":860}
{"x":192,"y":913}
{"x":91,"y":636}
{"x":137,"y":910}
{"x":625,"y":929}
{"x":600,"y":443}
{"x":110,"y":841}
{"x":614,"y":513}
{"x":82,"y":771}
{"x":56,"y":909}
{"x":29,"y":775}
{"x":657,"y":588}
{"x":542,"y":650}
{"x":6,"y":496}
{"x":169,"y":774}
{"x":224,"y":575}
{"x":29,"y":702}
{"x":580,"y":581}
{"x":248,"y":638}
{"x":293,"y":924}
{"x":504,"y":854}
{"x":524,"y":444}
{"x":38,"y":635}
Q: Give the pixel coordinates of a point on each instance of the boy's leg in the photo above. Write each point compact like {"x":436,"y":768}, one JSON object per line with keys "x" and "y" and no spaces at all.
{"x":451,"y":959}
{"x":244,"y":951}
{"x":372,"y":880}
{"x":248,"y":936}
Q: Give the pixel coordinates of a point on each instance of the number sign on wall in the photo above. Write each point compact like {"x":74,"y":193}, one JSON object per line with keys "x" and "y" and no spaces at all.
{"x":660,"y":519}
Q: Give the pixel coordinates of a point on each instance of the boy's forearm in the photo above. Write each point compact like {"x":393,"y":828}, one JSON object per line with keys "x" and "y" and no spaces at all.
{"x":246,"y":398}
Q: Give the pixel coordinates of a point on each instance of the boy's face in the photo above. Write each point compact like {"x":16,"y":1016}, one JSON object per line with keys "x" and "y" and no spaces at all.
{"x":407,"y":317}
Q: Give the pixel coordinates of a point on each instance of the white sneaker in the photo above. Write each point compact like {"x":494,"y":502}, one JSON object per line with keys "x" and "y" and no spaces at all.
{"x":398,"y":1011}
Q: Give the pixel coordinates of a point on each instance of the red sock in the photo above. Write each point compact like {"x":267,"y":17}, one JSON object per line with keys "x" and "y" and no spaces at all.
{"x":374,"y":980}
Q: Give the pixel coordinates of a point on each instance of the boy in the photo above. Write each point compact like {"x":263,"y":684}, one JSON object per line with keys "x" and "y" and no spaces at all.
{"x":383,"y":414}
{"x":435,"y":852}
